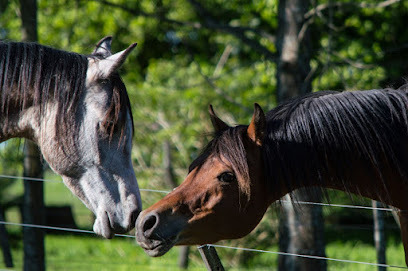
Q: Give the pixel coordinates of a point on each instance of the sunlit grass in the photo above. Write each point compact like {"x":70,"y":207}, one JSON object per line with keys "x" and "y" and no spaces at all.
{"x":89,"y":252}
{"x":69,"y":252}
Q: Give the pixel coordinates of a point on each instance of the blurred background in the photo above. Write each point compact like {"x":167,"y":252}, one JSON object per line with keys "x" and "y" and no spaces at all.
{"x":229,"y":54}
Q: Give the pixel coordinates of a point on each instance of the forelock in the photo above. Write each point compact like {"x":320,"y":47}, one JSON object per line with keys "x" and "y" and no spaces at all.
{"x":229,"y":146}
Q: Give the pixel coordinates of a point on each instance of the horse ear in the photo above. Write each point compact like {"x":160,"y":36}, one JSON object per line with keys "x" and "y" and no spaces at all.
{"x":256,"y":129}
{"x":217,"y":123}
{"x":103,"y":47}
{"x":112,"y":63}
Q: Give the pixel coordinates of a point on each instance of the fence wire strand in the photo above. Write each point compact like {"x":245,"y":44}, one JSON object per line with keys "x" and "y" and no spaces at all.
{"x":215,"y":246}
{"x":57,"y":228}
{"x":304,"y":256}
{"x":166,"y":192}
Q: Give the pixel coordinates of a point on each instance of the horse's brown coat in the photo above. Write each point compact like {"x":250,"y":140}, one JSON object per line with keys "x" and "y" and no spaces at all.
{"x":351,"y":141}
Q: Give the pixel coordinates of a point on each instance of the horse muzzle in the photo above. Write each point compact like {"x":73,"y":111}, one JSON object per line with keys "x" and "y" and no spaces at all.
{"x":115,"y":201}
{"x":108,"y":225}
{"x":156,"y":233}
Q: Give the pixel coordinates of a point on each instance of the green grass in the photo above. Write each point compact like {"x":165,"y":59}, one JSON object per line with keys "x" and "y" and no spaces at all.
{"x":89,"y":252}
{"x":362,"y":252}
{"x":65,"y":252}
{"x":351,"y":251}
{"x":85,"y":251}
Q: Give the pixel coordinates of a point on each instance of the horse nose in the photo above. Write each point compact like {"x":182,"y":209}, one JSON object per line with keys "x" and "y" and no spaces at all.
{"x":125,"y":223}
{"x":133,"y":217}
{"x":149,"y":224}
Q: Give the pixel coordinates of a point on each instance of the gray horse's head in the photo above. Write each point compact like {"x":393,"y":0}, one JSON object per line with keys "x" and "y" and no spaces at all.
{"x":95,"y":163}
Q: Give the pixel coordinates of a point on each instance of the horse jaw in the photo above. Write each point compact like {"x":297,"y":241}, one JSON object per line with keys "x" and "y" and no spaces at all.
{"x":113,"y":198}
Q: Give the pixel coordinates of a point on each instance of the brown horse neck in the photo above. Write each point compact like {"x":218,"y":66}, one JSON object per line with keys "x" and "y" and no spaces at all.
{"x":391,"y":188}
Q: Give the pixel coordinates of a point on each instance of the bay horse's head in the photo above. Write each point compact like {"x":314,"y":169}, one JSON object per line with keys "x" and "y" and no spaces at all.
{"x":224,"y":196}
{"x":88,"y":141}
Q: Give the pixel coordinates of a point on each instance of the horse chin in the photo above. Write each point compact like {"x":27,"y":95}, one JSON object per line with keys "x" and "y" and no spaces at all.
{"x":158,"y":248}
{"x":102,"y":226}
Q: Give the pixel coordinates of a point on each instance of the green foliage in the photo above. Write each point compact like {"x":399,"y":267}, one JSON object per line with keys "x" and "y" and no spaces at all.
{"x":187,"y":59}
{"x":11,"y":157}
{"x":11,"y":164}
{"x":359,"y":45}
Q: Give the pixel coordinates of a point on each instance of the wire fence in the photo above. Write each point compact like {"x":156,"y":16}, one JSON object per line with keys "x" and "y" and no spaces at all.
{"x":166,"y":192}
{"x":213,"y":245}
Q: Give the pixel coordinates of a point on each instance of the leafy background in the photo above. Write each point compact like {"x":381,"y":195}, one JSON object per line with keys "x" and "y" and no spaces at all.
{"x":188,"y":58}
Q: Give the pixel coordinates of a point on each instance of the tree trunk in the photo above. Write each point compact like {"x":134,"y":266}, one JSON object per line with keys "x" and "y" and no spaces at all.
{"x":28,"y":10}
{"x":33,"y":204}
{"x":171,"y":182}
{"x":168,"y":166}
{"x":293,"y":64}
{"x":33,"y":210}
{"x":183,"y":257}
{"x":379,"y":235}
{"x":301,"y":232}
{"x":4,"y":241}
{"x":301,"y":227}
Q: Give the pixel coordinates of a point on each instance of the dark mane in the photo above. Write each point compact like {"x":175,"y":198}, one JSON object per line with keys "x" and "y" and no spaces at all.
{"x":324,"y":136}
{"x":316,"y":138}
{"x":32,"y":74}
{"x":119,"y":106}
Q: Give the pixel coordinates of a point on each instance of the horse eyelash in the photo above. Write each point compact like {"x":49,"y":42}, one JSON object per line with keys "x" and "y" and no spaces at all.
{"x":219,"y":177}
{"x":103,"y":81}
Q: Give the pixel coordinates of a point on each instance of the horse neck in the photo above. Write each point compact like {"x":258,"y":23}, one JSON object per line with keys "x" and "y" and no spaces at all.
{"x":18,"y":122}
{"x":387,"y":185}
{"x":351,"y":141}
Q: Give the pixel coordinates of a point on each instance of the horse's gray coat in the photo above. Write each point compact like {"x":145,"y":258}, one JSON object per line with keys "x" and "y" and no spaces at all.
{"x":95,"y":163}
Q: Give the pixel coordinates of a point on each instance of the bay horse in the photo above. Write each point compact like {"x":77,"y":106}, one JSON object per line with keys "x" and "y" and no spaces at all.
{"x":76,"y":108}
{"x":355,"y":141}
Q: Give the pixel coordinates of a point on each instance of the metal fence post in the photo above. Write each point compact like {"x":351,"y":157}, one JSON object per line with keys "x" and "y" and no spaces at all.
{"x":210,"y":258}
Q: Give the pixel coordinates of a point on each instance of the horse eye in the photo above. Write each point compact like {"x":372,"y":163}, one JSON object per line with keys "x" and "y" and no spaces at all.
{"x":104,"y":81}
{"x":227,"y":177}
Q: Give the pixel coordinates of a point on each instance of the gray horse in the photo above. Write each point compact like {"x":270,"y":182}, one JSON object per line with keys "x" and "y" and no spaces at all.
{"x":77,"y":110}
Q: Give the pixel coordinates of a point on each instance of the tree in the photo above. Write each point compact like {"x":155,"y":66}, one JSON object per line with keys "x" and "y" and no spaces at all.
{"x":9,"y":157}
{"x":301,"y":231}
{"x":33,"y":204}
{"x":192,"y":53}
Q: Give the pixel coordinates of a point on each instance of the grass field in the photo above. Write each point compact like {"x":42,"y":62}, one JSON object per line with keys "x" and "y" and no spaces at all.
{"x":70,"y":252}
{"x":89,"y":252}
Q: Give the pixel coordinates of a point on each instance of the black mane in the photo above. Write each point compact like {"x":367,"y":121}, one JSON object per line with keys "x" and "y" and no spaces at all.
{"x":319,"y":137}
{"x":32,"y":74}
{"x":324,"y":136}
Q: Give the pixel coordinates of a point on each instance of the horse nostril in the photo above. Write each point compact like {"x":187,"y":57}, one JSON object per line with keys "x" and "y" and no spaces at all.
{"x":149,"y":224}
